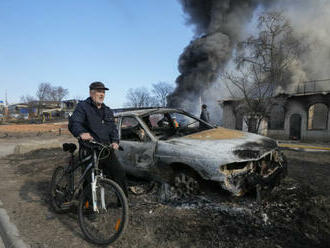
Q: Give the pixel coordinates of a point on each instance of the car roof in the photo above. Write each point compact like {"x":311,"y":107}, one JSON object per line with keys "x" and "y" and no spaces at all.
{"x":145,"y":111}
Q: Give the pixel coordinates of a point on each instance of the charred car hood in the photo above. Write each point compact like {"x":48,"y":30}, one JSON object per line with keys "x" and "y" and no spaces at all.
{"x":224,"y":145}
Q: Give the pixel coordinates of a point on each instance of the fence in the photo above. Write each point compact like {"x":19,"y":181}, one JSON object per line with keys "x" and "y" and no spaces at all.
{"x":316,"y":86}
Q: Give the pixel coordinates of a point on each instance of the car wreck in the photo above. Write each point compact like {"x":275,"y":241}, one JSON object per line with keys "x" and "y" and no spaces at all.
{"x":173,"y":146}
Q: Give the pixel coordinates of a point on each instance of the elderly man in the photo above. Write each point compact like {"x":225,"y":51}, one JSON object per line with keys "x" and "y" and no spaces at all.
{"x":92,"y":119}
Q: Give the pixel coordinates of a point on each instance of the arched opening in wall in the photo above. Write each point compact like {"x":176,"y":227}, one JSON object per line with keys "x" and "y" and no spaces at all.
{"x":252,"y":125}
{"x":317,"y":116}
{"x":295,"y":127}
{"x":277,"y":117}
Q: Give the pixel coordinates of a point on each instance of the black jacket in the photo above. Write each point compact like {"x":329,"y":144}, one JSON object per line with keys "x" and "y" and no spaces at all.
{"x":100,"y":123}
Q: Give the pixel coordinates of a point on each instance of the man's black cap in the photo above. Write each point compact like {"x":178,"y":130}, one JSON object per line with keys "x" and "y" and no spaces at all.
{"x":204,"y":106}
{"x":97,"y":86}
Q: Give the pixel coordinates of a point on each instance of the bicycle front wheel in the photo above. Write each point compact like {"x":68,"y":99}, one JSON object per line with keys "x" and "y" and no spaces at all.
{"x":109,"y":221}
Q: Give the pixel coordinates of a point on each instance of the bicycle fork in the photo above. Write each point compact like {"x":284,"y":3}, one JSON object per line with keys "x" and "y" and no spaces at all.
{"x":94,"y":194}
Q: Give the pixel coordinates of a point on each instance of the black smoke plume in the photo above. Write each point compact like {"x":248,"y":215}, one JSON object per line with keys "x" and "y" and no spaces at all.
{"x":218,"y":27}
{"x":220,"y":24}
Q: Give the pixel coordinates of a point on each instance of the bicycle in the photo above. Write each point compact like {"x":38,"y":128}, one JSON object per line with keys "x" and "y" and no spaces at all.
{"x":102,"y":207}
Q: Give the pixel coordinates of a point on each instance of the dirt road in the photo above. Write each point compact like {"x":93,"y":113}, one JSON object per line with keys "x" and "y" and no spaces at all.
{"x":296,"y":214}
{"x":26,"y":130}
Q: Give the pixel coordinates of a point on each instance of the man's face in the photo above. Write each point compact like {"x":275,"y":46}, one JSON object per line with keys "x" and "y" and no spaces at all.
{"x":97,"y":95}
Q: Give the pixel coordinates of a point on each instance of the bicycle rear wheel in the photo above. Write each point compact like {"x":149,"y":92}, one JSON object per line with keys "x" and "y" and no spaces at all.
{"x":109,"y":223}
{"x":59,"y":190}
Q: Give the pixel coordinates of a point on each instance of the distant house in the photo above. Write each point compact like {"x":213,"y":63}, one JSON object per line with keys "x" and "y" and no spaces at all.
{"x":48,"y":109}
{"x":19,"y":109}
{"x":300,"y":115}
{"x":68,"y":107}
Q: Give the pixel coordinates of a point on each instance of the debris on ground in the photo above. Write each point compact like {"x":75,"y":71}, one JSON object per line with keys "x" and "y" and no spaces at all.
{"x":294,"y":214}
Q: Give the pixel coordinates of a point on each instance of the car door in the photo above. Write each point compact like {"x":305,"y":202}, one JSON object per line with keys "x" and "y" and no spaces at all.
{"x":138,"y":155}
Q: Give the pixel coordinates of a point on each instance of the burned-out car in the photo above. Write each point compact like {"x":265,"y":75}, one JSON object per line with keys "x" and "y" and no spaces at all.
{"x":173,"y":146}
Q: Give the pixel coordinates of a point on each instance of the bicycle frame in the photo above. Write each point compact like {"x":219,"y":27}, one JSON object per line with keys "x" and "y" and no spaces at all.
{"x":93,"y":164}
{"x":71,"y":169}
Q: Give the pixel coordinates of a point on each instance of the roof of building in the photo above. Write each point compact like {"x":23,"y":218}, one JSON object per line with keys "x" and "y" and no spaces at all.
{"x":309,"y":93}
{"x":143,"y":111}
{"x":227,"y":100}
{"x":314,"y":87}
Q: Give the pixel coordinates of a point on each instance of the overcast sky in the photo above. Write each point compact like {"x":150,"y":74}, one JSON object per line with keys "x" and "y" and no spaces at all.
{"x":124,"y":43}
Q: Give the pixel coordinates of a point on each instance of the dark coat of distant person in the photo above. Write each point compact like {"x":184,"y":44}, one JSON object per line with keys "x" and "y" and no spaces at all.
{"x":205,"y":116}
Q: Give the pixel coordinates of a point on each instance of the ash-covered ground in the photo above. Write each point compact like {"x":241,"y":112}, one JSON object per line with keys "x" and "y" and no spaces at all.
{"x":295,"y":214}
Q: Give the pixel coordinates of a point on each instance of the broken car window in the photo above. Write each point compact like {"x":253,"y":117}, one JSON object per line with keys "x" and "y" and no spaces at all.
{"x":131,"y":130}
{"x":184,"y":120}
{"x":172,"y":124}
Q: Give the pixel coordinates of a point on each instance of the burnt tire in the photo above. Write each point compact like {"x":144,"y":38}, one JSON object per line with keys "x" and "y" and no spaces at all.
{"x":59,"y":188}
{"x":185,"y":185}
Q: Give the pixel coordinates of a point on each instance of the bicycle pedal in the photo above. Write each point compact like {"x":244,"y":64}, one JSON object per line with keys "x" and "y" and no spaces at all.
{"x":67,"y":204}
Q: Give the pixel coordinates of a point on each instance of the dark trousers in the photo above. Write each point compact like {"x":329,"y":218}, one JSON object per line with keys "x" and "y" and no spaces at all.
{"x":113,"y":170}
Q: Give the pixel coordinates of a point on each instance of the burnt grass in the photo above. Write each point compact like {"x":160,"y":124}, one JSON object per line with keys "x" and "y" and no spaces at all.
{"x":294,"y":214}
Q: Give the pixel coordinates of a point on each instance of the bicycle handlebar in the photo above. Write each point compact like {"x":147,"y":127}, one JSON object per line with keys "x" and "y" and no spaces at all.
{"x":94,"y":142}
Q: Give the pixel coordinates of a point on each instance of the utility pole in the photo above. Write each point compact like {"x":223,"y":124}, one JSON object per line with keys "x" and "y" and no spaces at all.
{"x":6,"y":99}
{"x":6,"y":105}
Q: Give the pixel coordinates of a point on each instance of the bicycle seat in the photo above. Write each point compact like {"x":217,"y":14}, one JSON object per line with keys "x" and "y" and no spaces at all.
{"x":70,"y":147}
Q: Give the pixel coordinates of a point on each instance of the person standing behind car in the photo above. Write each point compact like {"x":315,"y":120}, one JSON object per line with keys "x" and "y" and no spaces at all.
{"x":93,"y":120}
{"x":205,"y":116}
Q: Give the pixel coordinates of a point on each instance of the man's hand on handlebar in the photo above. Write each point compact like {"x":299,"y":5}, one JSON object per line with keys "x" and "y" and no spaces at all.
{"x":115,"y":146}
{"x":86,"y":136}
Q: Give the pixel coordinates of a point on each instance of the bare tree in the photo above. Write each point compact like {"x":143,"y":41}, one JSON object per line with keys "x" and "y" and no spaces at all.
{"x":250,"y":90}
{"x":271,"y":52}
{"x":47,"y":92}
{"x":263,"y":66}
{"x":58,"y":93}
{"x":27,"y":99}
{"x":44,"y":91}
{"x":43,"y":94}
{"x":139,"y":97}
{"x":160,"y":91}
